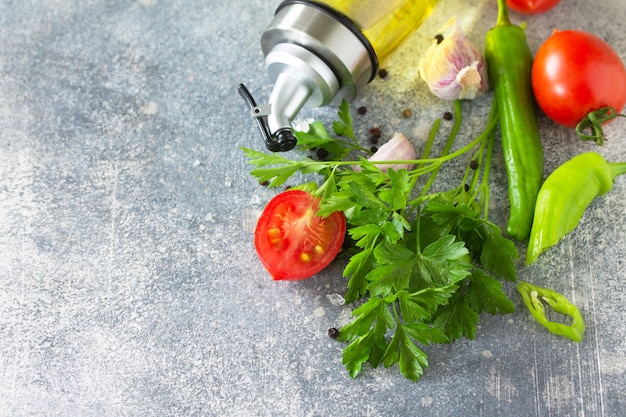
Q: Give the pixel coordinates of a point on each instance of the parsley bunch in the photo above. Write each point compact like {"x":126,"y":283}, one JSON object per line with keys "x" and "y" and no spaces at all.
{"x":424,"y":265}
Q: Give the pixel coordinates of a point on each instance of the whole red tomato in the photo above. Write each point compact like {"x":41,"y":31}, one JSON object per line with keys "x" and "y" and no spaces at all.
{"x":292,"y":241}
{"x":575,"y":73}
{"x":531,"y":6}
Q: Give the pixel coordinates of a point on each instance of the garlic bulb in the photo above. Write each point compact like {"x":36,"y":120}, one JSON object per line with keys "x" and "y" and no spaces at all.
{"x":453,"y":67}
{"x":399,"y":148}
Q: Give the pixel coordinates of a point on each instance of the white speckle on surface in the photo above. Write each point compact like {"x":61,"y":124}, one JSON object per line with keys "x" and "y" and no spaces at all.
{"x":499,"y":386}
{"x":487,"y":354}
{"x":255,"y":200}
{"x":336,"y":299}
{"x":250,"y":219}
{"x":228,"y":182}
{"x":426,"y":401}
{"x":319,"y":312}
{"x":558,"y":390}
{"x":150,"y":108}
{"x":614,"y":363}
{"x":344,"y":317}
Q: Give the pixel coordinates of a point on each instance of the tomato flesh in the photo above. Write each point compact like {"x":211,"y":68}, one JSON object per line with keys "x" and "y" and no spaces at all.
{"x":292,"y":242}
{"x":575,"y":73}
{"x":532,"y":6}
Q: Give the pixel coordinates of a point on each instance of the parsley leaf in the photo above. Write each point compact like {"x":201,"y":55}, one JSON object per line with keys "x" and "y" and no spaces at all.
{"x":444,"y":262}
{"x":318,"y":137}
{"x":420,"y":305}
{"x":403,"y":351}
{"x":457,"y":318}
{"x":498,"y":253}
{"x":396,"y":266}
{"x":343,"y":126}
{"x":357,"y":269}
{"x":484,"y":293}
{"x":366,"y":335}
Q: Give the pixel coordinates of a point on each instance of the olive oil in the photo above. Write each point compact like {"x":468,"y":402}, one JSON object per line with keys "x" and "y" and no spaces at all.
{"x":385,"y":24}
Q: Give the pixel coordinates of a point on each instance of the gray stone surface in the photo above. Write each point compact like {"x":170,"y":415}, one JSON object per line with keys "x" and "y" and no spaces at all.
{"x":129,"y":285}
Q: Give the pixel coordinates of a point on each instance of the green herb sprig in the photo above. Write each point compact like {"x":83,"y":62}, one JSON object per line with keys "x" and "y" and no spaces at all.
{"x":425,"y":265}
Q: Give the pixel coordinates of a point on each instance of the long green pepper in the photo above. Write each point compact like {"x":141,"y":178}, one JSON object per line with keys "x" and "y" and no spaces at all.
{"x":565,"y":195}
{"x":510,"y":61}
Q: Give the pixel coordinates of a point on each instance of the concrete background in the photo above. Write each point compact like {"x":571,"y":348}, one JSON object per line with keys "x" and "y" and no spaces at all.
{"x":129,"y":285}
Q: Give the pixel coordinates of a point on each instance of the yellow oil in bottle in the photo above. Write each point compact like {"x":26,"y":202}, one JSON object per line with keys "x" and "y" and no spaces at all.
{"x":385,"y":24}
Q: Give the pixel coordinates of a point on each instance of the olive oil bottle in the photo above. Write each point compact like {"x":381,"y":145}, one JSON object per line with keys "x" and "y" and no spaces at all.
{"x":321,"y":52}
{"x":385,"y":24}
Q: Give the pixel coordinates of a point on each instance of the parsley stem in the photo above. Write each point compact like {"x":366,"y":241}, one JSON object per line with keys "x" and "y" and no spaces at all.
{"x":484,"y":186}
{"x":431,"y":138}
{"x":487,"y":169}
{"x":426,"y":153}
{"x":447,"y":146}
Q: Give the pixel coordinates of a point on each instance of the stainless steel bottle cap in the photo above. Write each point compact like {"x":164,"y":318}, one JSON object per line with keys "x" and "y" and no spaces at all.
{"x":320,"y":47}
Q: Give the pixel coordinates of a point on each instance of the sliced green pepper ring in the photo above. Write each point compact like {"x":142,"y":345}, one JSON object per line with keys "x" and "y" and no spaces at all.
{"x":531,"y":295}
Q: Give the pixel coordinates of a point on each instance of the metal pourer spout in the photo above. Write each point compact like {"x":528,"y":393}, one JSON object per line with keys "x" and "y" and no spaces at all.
{"x":315,"y":56}
{"x":282,"y":140}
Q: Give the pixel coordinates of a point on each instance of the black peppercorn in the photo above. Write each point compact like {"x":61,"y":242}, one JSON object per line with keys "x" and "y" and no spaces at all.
{"x":333,"y":333}
{"x":321,"y":154}
{"x":375,"y":134}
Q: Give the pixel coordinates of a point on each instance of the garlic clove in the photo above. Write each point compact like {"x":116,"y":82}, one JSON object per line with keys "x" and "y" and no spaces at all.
{"x":453,"y":68}
{"x":398,"y":148}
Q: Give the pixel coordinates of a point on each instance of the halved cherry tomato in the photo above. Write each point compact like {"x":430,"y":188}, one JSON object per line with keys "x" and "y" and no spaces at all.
{"x":292,"y":241}
{"x":575,"y":73}
{"x":532,"y":6}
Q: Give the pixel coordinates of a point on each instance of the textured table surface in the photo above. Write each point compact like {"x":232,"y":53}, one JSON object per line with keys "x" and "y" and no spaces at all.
{"x":129,"y":284}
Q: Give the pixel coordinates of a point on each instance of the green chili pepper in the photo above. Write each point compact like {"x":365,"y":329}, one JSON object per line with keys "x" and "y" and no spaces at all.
{"x":560,"y":304}
{"x":565,"y":195}
{"x":510,"y":61}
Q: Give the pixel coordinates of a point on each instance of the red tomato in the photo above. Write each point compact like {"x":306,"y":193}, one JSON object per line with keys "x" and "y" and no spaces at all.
{"x":575,"y":73}
{"x":531,"y":6}
{"x":292,"y":241}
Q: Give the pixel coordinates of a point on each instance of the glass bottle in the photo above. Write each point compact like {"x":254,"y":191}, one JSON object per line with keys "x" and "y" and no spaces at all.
{"x":321,"y":52}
